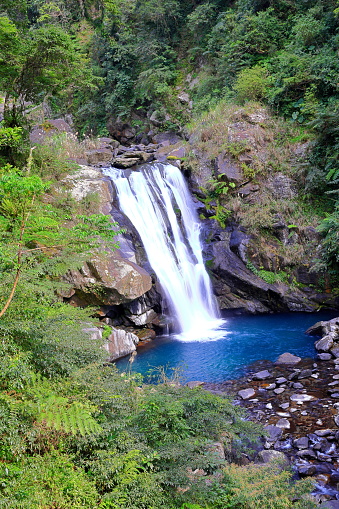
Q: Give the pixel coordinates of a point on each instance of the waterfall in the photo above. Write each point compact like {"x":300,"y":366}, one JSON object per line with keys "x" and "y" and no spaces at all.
{"x":159,"y":205}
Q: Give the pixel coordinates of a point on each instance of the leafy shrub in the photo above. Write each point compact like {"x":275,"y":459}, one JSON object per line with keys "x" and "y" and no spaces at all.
{"x":46,"y":481}
{"x":256,"y":486}
{"x":252,"y":83}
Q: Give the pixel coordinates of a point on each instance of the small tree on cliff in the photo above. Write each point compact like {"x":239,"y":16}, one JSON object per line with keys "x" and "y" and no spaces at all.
{"x":37,"y":243}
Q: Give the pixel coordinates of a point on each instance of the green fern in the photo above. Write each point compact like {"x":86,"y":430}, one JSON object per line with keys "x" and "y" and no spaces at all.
{"x":54,"y":411}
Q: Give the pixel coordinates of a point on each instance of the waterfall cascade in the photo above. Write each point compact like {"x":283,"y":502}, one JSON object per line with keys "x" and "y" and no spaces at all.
{"x":157,"y":202}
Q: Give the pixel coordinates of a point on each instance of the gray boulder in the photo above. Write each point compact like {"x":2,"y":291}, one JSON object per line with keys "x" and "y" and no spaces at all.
{"x":288,"y":358}
{"x":120,"y":343}
{"x":267,"y":456}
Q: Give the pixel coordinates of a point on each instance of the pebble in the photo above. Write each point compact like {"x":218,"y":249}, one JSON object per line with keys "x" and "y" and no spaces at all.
{"x":324,"y":457}
{"x":274,"y":433}
{"x":306,"y":453}
{"x":324,"y":356}
{"x":284,"y":406}
{"x":323,"y":432}
{"x":262,"y":375}
{"x":301,"y":443}
{"x":305,"y":373}
{"x":271,"y":386}
{"x":312,"y":394}
{"x":301,"y":398}
{"x":283,"y":423}
{"x":247,"y":393}
{"x":294,"y":375}
{"x":307,"y":469}
{"x":297,"y":385}
{"x":280,"y":390}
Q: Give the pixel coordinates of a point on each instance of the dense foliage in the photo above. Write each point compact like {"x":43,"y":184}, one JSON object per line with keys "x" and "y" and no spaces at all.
{"x":121,"y":60}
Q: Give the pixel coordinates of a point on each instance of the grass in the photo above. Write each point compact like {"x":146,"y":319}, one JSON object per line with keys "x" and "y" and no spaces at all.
{"x":57,"y":157}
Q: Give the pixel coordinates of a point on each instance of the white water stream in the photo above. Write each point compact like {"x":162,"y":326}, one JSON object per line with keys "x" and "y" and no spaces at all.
{"x":151,"y":198}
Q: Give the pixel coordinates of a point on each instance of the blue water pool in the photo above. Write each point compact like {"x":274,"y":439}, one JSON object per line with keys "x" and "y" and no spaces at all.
{"x":245,"y":339}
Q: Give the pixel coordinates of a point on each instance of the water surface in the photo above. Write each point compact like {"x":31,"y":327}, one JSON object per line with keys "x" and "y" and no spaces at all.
{"x":245,"y":339}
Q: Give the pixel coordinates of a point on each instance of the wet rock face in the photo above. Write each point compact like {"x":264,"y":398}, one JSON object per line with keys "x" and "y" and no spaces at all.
{"x":238,"y":288}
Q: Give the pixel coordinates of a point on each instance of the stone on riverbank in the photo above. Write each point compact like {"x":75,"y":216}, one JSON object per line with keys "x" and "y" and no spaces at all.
{"x":247,"y":393}
{"x":288,"y":358}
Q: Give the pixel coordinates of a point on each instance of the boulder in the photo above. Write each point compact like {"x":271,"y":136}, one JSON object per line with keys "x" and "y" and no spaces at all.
{"x":306,"y":469}
{"x":120,"y":131}
{"x":166,"y":138}
{"x":324,"y":344}
{"x":126,"y":162}
{"x":316,"y":329}
{"x":158,"y":118}
{"x":324,"y":356}
{"x":274,"y":433}
{"x":301,"y":398}
{"x":283,"y":423}
{"x":48,"y":128}
{"x":261,"y":375}
{"x":120,"y":343}
{"x":302,"y":443}
{"x":225,"y":164}
{"x":88,"y":181}
{"x":288,"y":358}
{"x":99,"y":156}
{"x":282,"y":186}
{"x":107,"y":280}
{"x":247,"y":393}
{"x":177,"y":153}
{"x":267,"y":456}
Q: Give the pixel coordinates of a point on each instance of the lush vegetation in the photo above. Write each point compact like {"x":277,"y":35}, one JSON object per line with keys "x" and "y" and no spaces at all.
{"x":109,"y":61}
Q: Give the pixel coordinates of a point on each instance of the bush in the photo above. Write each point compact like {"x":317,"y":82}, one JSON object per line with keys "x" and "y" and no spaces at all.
{"x":252,"y":83}
{"x":47,"y":481}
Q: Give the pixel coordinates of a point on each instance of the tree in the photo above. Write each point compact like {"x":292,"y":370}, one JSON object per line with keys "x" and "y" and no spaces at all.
{"x":36,"y":62}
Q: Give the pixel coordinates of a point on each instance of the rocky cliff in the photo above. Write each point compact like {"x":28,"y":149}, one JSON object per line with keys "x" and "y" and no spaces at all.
{"x":259,"y":248}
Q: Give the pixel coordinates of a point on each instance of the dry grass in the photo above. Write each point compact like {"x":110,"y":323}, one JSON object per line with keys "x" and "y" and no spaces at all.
{"x":268,"y":141}
{"x":69,"y":147}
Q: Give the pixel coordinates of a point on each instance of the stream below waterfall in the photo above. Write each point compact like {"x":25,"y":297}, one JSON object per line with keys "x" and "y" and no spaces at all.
{"x":245,"y":339}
